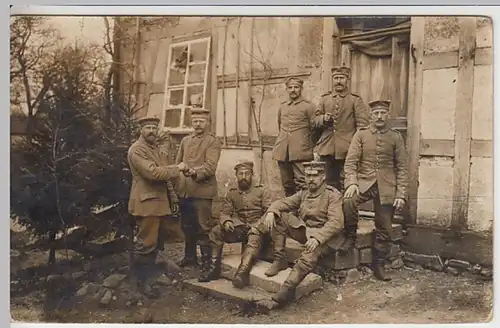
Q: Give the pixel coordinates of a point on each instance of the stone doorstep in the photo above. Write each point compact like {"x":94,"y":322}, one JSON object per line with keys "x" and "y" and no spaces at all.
{"x":310,"y":283}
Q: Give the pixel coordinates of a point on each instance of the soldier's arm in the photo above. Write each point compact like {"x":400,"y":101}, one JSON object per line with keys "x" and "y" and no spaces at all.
{"x":401,"y":162}
{"x":180,"y":152}
{"x":148,"y":169}
{"x":266,"y":200}
{"x":279,"y":118}
{"x":228,"y":209}
{"x":335,"y":223}
{"x":212,"y":155}
{"x":352,"y":160}
{"x":288,"y":204}
{"x":361,"y":113}
{"x":318,"y":120}
{"x":172,"y":195}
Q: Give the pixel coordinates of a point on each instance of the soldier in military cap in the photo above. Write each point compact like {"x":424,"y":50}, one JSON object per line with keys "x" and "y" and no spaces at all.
{"x":338,"y":115}
{"x":375,"y":168}
{"x":243,"y":206}
{"x":318,"y":227}
{"x":197,"y":187}
{"x":152,"y":198}
{"x":294,"y":144}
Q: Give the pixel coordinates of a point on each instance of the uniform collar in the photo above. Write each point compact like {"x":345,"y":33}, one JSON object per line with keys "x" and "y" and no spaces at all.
{"x":374,"y":129}
{"x":341,"y":94}
{"x":204,"y":134}
{"x":296,"y":101}
{"x":318,"y":192}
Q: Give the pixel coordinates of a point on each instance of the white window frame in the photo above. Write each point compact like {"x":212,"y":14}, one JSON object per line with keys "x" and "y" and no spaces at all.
{"x":186,"y":85}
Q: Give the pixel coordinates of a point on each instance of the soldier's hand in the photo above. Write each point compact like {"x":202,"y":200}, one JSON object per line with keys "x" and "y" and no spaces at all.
{"x":399,"y":203}
{"x":190,"y":173}
{"x":228,"y":226}
{"x":182,"y":166}
{"x":269,"y":221}
{"x":351,"y":190}
{"x":311,"y":245}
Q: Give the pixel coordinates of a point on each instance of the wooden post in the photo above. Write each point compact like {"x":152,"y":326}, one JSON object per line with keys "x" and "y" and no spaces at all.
{"x":212,"y":80}
{"x":463,"y":126}
{"x":414,"y":111}
{"x":327,"y":61}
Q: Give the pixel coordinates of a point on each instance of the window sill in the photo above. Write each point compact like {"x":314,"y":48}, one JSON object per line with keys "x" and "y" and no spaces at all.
{"x":179,"y":130}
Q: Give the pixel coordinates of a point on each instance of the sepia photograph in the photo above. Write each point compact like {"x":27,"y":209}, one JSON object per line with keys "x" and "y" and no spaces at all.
{"x":251,"y":169}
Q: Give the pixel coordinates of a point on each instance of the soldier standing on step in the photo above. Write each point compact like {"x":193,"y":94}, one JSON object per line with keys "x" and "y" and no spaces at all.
{"x":152,"y":198}
{"x":318,"y":227}
{"x":375,"y":168}
{"x":338,"y":115}
{"x":243,"y":206}
{"x":197,"y":187}
{"x":294,"y":143}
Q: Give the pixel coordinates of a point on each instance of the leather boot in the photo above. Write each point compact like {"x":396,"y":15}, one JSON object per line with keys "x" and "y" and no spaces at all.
{"x":286,"y":293}
{"x":214,"y":266}
{"x":190,"y":258}
{"x":144,"y":270}
{"x":378,"y":263}
{"x":206,"y":263}
{"x":279,"y":263}
{"x":350,"y":239}
{"x":252,"y":249}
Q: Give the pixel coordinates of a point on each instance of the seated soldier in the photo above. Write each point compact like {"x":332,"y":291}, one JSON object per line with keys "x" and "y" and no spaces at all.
{"x":243,"y":206}
{"x":319,"y":225}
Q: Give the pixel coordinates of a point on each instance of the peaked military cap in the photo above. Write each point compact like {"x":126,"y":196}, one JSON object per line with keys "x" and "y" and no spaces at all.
{"x":341,"y":70}
{"x":148,"y":120}
{"x":295,"y":80}
{"x":379,"y":104}
{"x":314,"y":167}
{"x":200,"y":112}
{"x":244,"y":164}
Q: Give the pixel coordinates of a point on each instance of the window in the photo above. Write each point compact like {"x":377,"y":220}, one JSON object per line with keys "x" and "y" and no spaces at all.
{"x":186,"y":84}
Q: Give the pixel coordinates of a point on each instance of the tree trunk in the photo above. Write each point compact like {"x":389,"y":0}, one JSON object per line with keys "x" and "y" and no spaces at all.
{"x":52,"y":250}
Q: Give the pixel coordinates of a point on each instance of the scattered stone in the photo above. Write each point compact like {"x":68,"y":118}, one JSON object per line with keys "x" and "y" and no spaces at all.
{"x":99,"y":294}
{"x":54,"y":277}
{"x":476,"y":269}
{"x":412,"y":265}
{"x":347,"y":261}
{"x":115,"y":298}
{"x":129,"y":303}
{"x":88,"y":288}
{"x":106,"y":299}
{"x":339,"y":297}
{"x":486,"y":273}
{"x":266,"y":305}
{"x":139,"y":303}
{"x":458,"y":264}
{"x":452,"y":271}
{"x":42,"y":279}
{"x":114,"y":280}
{"x":397,"y":263}
{"x":78,"y":275}
{"x":365,"y":269}
{"x":432,"y":262}
{"x":353,"y":275}
{"x":163,"y":280}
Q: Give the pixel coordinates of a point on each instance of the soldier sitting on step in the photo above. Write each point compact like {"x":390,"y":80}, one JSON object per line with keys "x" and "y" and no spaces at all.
{"x":318,"y":226}
{"x":243,"y":206}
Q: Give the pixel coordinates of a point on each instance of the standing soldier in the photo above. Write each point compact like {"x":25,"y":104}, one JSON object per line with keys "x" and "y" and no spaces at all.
{"x":294,"y":143}
{"x":243,"y":207}
{"x":197,"y":187}
{"x":152,"y":197}
{"x":375,"y":168}
{"x":337,"y":117}
{"x":318,"y":227}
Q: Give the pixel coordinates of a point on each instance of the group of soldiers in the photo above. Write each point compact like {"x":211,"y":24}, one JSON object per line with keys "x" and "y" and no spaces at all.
{"x":360,"y":159}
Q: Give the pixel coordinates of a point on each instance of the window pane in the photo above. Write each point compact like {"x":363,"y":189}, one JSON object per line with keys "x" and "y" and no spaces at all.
{"x":176,"y":97}
{"x":178,"y":65}
{"x":196,"y":73}
{"x":198,"y":51}
{"x":187,"y":117}
{"x":172,"y":118}
{"x":195,"y":96}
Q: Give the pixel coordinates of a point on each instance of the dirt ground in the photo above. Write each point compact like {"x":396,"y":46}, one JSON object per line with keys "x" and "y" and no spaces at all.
{"x":414,"y":296}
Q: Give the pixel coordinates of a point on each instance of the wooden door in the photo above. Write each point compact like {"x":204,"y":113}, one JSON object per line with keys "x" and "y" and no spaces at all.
{"x":379,"y":70}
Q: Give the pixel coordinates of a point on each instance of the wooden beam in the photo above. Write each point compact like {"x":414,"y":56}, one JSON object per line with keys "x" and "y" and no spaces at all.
{"x":337,"y":45}
{"x":376,"y":33}
{"x":327,"y":59}
{"x":440,"y":60}
{"x":474,"y":247}
{"x":259,"y":80}
{"x":415,"y":86}
{"x":346,"y":55}
{"x":446,"y":148}
{"x":463,"y":118}
{"x":212,"y":79}
{"x":394,"y":82}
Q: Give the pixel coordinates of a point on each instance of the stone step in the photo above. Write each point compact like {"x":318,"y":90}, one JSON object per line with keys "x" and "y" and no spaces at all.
{"x":310,"y":283}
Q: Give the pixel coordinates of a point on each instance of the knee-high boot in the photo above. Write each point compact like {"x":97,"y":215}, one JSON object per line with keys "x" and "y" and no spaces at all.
{"x":280,"y":263}
{"x":252,"y":249}
{"x":214,"y":266}
{"x":287,"y":291}
{"x":206,"y":261}
{"x":378,"y":263}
